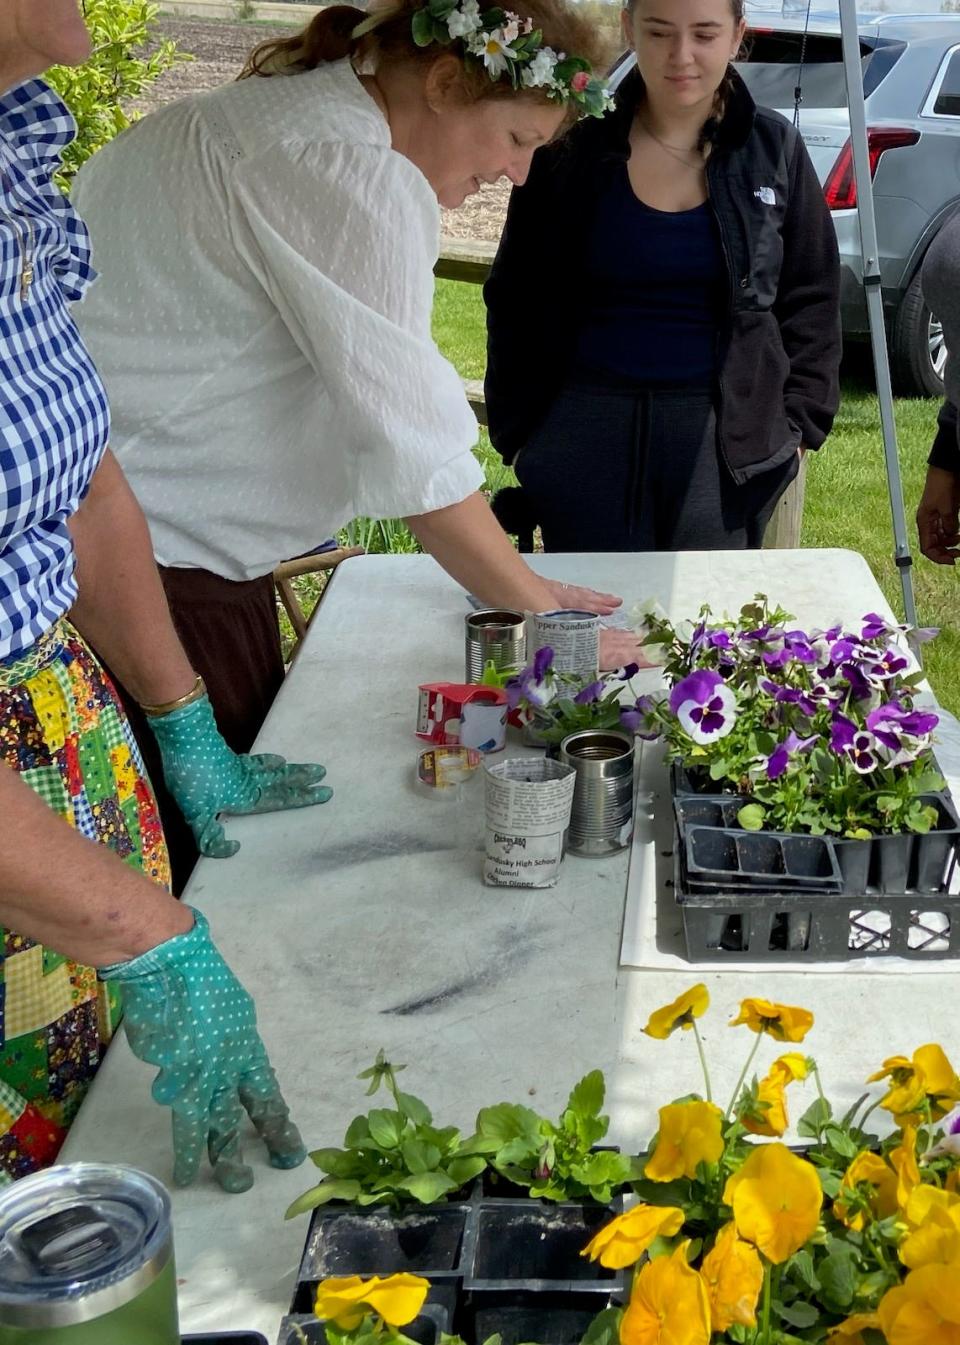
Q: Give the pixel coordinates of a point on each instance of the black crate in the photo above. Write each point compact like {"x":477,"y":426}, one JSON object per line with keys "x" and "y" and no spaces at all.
{"x":535,"y":1246}
{"x":225,"y":1338}
{"x":518,"y":1316}
{"x":424,"y":1240}
{"x":884,"y":896}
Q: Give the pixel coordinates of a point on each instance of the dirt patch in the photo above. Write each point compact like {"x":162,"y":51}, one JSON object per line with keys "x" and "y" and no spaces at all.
{"x":220,"y":48}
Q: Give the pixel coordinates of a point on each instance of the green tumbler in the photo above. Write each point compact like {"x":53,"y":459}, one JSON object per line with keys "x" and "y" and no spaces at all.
{"x":86,"y":1258}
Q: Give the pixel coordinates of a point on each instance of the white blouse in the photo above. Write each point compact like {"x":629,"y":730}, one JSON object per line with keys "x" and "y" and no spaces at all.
{"x":262,"y":322}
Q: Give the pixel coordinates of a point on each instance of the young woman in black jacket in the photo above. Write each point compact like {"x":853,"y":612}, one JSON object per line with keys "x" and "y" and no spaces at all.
{"x":663,"y":311}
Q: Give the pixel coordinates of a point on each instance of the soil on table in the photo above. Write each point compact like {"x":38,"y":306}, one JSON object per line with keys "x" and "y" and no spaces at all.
{"x":220,"y":48}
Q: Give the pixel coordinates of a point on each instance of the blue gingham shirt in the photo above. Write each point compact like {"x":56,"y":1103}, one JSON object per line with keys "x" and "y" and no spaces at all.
{"x":54,"y":419}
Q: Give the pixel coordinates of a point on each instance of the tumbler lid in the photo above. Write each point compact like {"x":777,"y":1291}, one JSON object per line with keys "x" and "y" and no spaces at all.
{"x":78,"y":1241}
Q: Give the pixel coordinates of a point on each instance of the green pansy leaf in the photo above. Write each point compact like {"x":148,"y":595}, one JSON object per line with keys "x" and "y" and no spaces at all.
{"x":797,"y":1314}
{"x":464,"y":1169}
{"x":837,"y":1273}
{"x":604,"y":1329}
{"x":320,"y":1195}
{"x":386,"y":1128}
{"x":420,"y":1157}
{"x":586,"y":1097}
{"x":751,"y":817}
{"x":814,"y":1119}
{"x":507,"y":1121}
{"x":358,"y":1133}
{"x":417,"y":1111}
{"x":427,"y":1186}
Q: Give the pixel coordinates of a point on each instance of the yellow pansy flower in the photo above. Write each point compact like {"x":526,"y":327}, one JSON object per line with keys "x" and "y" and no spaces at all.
{"x":785,"y":1022}
{"x":927,"y":1080}
{"x":733,"y":1273}
{"x":928,"y":1202}
{"x":690,"y":1133}
{"x":933,"y":1218}
{"x":772,"y":1091}
{"x":776,"y":1198}
{"x":681,"y":1013}
{"x":942,"y":1082}
{"x":924,"y":1310}
{"x":849,"y":1332}
{"x":907,"y":1088}
{"x":903,"y":1160}
{"x":668,"y":1304}
{"x":870,"y":1169}
{"x":624,"y":1240}
{"x":346,"y":1300}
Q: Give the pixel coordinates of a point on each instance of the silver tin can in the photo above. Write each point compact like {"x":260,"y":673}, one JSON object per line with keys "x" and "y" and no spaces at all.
{"x":601,"y":822}
{"x":494,"y":634}
{"x":86,"y":1258}
{"x":574,"y":637}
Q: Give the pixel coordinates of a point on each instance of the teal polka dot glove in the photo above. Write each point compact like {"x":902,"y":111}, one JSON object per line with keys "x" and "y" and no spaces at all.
{"x":186,"y":1012}
{"x":206,"y":778}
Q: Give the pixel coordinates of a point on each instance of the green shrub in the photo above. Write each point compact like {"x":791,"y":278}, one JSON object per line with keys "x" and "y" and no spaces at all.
{"x":118,"y":71}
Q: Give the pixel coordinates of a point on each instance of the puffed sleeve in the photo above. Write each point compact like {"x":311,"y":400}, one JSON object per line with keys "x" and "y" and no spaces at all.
{"x":343,"y":238}
{"x":37,"y":125}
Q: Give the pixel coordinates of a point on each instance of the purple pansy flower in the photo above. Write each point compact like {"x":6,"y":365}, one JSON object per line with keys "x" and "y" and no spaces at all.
{"x":863,"y":753}
{"x":636,"y":718}
{"x":779,"y":758}
{"x":842,"y":732}
{"x":790,"y":696}
{"x":627,"y":671}
{"x":704,"y":705}
{"x":590,"y":693}
{"x":875,"y":626}
{"x":719,"y":639}
{"x":536,"y":683}
{"x":890,"y":663}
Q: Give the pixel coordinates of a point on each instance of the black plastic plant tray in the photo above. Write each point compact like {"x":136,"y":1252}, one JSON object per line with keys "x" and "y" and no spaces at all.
{"x":548,"y":1318}
{"x":225,"y":1338}
{"x":536,"y":1246}
{"x":767,"y":858}
{"x":351,"y":1240}
{"x":426,"y":1329}
{"x":796,"y":927}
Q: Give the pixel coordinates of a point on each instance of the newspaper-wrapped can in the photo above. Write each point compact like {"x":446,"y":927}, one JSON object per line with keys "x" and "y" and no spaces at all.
{"x":573,"y":636}
{"x":528,"y":802}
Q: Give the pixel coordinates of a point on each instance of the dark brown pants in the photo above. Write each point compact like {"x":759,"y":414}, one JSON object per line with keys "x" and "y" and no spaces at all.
{"x":231,"y":636}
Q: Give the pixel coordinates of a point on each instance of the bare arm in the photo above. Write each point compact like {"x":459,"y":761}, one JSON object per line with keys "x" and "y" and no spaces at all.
{"x":121,"y":608}
{"x":70,"y":893}
{"x":471,"y":546}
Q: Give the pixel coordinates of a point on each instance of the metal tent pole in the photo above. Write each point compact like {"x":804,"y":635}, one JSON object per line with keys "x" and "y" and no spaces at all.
{"x":871,"y":283}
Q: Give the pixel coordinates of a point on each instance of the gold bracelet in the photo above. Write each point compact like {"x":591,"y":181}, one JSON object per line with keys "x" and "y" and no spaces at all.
{"x":196,"y":691}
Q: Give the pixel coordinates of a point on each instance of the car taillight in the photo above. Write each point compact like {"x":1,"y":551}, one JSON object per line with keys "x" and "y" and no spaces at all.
{"x":840,"y":188}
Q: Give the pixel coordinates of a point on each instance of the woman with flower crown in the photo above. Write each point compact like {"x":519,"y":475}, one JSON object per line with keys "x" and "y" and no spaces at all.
{"x":263,"y":317}
{"x":663,"y":312}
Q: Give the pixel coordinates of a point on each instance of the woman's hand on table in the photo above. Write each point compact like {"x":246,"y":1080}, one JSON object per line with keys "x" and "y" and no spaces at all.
{"x":582,"y":599}
{"x":206,"y":778}
{"x":185,"y":1011}
{"x":618,"y":648}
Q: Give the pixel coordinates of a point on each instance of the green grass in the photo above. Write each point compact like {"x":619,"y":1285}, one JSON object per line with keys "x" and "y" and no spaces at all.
{"x":847,"y":504}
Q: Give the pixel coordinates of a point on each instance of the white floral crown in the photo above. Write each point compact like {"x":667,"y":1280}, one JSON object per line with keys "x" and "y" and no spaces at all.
{"x":508,"y":47}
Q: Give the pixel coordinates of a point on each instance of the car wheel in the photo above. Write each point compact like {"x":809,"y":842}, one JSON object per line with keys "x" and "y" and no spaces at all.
{"x":917,"y":350}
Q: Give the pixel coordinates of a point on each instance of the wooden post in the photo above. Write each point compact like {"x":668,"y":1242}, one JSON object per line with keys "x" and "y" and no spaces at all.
{"x":783,"y":530}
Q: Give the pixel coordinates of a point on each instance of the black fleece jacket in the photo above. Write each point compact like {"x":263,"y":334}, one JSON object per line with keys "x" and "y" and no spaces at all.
{"x":779,"y":344}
